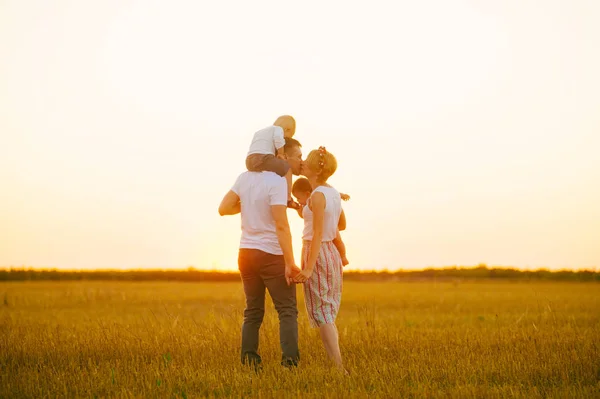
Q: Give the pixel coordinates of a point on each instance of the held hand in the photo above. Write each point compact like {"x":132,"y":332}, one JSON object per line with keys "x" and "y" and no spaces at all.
{"x":303,"y":276}
{"x":293,"y":204}
{"x":290,"y":273}
{"x":344,"y":261}
{"x":344,"y":197}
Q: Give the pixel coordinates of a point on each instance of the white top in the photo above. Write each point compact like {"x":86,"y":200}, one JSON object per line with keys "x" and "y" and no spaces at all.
{"x":267,"y":141}
{"x":258,"y":191}
{"x":331,"y":218}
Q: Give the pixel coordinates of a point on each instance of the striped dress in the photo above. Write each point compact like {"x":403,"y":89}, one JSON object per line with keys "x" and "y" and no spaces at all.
{"x":323,"y":290}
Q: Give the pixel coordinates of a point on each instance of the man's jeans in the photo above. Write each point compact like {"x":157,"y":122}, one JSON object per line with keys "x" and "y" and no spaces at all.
{"x":260,"y":270}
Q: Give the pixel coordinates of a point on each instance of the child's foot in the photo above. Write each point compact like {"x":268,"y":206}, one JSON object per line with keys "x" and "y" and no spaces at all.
{"x":344,"y":261}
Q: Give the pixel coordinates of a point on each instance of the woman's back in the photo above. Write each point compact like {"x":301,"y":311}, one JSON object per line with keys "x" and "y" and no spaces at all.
{"x":333,"y":210}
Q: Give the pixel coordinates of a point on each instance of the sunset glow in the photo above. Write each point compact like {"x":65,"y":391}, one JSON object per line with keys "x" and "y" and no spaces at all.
{"x":466,"y":132}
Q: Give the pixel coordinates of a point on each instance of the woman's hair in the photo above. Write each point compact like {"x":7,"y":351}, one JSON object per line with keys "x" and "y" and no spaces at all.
{"x":321,"y":161}
{"x":301,"y":185}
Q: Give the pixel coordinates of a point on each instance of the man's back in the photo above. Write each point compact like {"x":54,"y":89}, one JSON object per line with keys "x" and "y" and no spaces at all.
{"x":258,"y":191}
{"x":266,"y":260}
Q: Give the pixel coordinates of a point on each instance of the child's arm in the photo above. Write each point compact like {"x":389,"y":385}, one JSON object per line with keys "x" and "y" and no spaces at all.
{"x":341,"y":247}
{"x":281,"y":153}
{"x":279,"y":142}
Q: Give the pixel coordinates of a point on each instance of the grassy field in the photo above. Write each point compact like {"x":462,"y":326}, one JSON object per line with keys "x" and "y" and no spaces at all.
{"x":398,"y":339}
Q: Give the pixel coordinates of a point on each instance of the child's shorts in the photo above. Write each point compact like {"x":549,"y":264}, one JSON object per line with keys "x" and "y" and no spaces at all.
{"x":267,"y":162}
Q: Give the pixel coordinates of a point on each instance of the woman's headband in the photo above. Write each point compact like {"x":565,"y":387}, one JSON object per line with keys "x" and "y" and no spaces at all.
{"x":322,"y":152}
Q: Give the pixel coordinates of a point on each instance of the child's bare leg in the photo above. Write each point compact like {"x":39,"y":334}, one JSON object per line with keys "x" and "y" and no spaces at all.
{"x":341,"y":247}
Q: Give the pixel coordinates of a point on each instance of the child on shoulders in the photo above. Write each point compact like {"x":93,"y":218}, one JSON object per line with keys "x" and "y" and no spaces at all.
{"x":266,"y":150}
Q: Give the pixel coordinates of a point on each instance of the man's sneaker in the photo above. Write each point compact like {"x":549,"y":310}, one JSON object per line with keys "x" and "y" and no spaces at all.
{"x":253,"y":361}
{"x":289,"y":362}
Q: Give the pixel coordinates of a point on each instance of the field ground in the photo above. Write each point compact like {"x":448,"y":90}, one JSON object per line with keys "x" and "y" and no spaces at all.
{"x":398,"y":339}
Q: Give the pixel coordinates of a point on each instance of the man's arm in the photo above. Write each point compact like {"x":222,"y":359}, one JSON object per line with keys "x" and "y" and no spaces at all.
{"x":284,"y":235}
{"x":230,"y":205}
{"x":278,"y":202}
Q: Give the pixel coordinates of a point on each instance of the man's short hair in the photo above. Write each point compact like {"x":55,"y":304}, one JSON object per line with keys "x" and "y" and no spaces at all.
{"x":291,"y":143}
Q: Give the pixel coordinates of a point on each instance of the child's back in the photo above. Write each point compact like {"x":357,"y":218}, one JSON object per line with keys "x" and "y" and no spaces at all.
{"x":267,"y":141}
{"x":266,"y":151}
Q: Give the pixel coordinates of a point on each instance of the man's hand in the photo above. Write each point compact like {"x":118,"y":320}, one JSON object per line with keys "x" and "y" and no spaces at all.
{"x":290,"y":273}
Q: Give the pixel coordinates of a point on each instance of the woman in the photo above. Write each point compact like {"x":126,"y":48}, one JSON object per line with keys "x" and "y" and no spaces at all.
{"x":321,"y":261}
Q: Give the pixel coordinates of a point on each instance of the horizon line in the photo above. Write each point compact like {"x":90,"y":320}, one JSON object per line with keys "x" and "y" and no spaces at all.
{"x":594,"y":269}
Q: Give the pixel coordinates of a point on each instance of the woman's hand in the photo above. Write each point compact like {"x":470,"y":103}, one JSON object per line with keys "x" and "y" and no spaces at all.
{"x":303,"y":276}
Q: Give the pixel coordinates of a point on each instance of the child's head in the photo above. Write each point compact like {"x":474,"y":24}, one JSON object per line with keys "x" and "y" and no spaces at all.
{"x":288,"y":124}
{"x":320,"y":163}
{"x":302,"y":190}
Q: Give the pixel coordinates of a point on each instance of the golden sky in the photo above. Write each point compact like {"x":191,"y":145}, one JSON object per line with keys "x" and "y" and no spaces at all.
{"x":465,"y":131}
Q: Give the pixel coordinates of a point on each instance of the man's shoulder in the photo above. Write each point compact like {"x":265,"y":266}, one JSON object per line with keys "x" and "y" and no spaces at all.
{"x":273,"y":179}
{"x":270,"y":178}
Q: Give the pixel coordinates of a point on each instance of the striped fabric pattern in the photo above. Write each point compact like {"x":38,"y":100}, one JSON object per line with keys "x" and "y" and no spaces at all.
{"x":323,"y":290}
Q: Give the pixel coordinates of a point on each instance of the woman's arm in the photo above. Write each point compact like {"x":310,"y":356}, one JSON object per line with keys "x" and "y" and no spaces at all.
{"x":318,"y":208}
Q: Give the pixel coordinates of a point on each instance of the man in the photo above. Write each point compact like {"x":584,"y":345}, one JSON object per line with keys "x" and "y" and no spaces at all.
{"x":266,"y":259}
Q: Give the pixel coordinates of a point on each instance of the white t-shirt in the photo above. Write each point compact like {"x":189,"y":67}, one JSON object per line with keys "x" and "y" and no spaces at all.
{"x":267,"y":141}
{"x":331,"y":218}
{"x":258,"y":191}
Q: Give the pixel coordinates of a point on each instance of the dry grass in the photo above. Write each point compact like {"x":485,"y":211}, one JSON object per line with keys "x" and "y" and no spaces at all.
{"x":118,"y":339}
